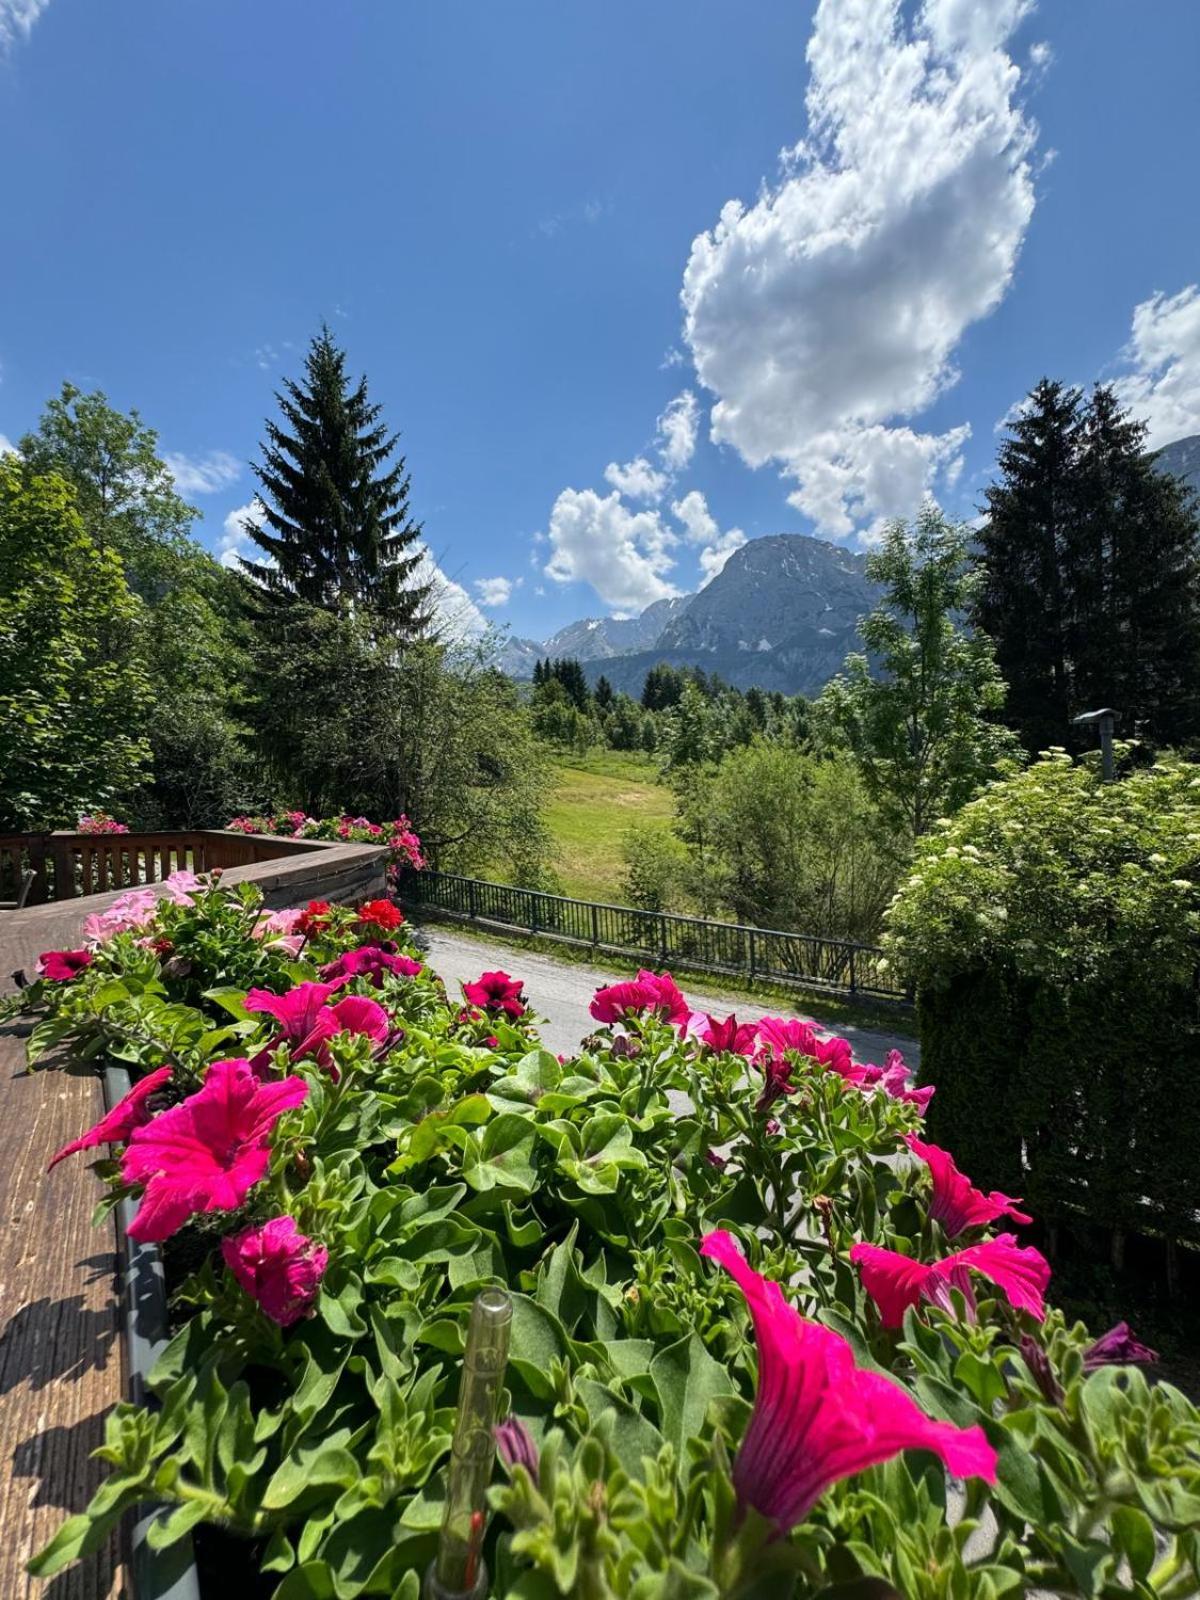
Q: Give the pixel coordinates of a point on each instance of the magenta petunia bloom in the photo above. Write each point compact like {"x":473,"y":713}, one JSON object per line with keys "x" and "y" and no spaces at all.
{"x":727,"y":1035}
{"x":207,"y":1153}
{"x":130,"y":1113}
{"x":956,"y":1203}
{"x":896,"y":1282}
{"x":370,"y":961}
{"x":1117,"y":1348}
{"x":649,"y":991}
{"x":296,"y":1011}
{"x":496,"y":991}
{"x":780,"y":1035}
{"x":60,"y":966}
{"x":817,"y":1416}
{"x":277,"y":1266}
{"x":516,"y":1445}
{"x":777,"y":1076}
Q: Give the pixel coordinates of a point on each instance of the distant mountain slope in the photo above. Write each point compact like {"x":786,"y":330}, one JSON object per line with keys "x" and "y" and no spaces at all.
{"x":597,"y":637}
{"x":783,"y":614}
{"x":1182,"y":460}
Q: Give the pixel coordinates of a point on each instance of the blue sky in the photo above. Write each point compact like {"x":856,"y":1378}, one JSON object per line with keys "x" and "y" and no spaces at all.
{"x":618,"y":335}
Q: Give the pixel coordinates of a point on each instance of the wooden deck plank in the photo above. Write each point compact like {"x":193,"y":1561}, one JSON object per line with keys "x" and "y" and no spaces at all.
{"x":60,"y":1350}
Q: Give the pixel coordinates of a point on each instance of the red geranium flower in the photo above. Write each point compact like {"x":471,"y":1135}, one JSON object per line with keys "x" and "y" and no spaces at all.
{"x":381,"y":914}
{"x":313,"y":918}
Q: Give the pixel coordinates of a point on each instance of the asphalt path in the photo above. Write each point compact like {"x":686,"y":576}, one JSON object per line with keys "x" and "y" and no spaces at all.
{"x":561,"y":991}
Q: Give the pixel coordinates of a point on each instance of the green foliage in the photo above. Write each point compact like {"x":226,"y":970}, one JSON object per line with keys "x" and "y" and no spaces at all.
{"x":1091,"y":572}
{"x":192,"y":638}
{"x":655,"y":869}
{"x":916,"y":710}
{"x":335,"y":530}
{"x":797,"y":843}
{"x":460,"y":1154}
{"x":1051,"y":928}
{"x":73,"y":690}
{"x":125,"y":493}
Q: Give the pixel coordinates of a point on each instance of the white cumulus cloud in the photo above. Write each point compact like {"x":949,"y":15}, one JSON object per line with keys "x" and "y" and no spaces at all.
{"x":624,"y":554}
{"x":828,"y":311}
{"x":702,"y":529}
{"x":677,"y":431}
{"x":1163,"y":387}
{"x":203,"y":474}
{"x":493,"y":591}
{"x":7,"y":447}
{"x":637,"y":479}
{"x":235,"y":542}
{"x":17,"y":18}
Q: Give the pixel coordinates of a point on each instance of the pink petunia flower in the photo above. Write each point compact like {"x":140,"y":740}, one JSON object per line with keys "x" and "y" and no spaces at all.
{"x":777,"y":1036}
{"x":1117,"y":1348}
{"x":296,"y":1012}
{"x":116,"y":1126}
{"x":650,"y":991}
{"x":956,"y":1203}
{"x":181,"y":886}
{"x":777,"y":1076}
{"x":278,"y":924}
{"x":131,"y":910}
{"x":726,"y":1035}
{"x":496,"y":991}
{"x":818,"y":1417}
{"x":278,"y":1266}
{"x":207,"y":1153}
{"x":895,"y":1281}
{"x":60,"y":966}
{"x":370,"y":961}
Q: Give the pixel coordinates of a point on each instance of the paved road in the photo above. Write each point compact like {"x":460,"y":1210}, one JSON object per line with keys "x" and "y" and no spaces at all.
{"x":561,"y":991}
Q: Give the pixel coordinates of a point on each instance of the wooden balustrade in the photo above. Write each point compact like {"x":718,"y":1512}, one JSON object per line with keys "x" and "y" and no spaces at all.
{"x":67,"y":865}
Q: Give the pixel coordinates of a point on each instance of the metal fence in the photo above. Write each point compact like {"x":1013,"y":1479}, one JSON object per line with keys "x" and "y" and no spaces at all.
{"x":664,"y":938}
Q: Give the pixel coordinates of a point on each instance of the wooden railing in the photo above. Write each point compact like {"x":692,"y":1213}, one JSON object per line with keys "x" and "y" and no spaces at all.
{"x":67,"y":865}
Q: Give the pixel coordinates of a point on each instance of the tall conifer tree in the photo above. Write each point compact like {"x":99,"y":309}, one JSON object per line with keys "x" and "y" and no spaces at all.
{"x":1021,"y":602}
{"x":1091,"y":584}
{"x":336,"y":525}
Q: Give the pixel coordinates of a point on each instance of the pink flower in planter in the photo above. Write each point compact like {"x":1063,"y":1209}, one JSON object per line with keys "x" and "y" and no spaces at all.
{"x":777,"y":1074}
{"x":370,"y":961}
{"x":181,"y":886}
{"x":297,"y":1011}
{"x":649,"y":991}
{"x":896,"y":1282}
{"x":207,"y":1153}
{"x":116,"y":1126}
{"x":1117,"y":1348}
{"x":60,"y":966}
{"x":357,"y":1014}
{"x":278,"y":924}
{"x":132,"y":910}
{"x":817,"y":1416}
{"x":496,"y":991}
{"x":778,"y":1035}
{"x":727,"y":1035}
{"x":956,"y":1203}
{"x":278,"y":1266}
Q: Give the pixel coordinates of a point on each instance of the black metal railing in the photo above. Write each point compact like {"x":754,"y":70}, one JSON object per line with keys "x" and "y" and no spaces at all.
{"x":663,"y":937}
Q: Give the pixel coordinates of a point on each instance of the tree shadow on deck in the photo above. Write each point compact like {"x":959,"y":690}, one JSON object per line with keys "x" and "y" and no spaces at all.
{"x":49,"y":1340}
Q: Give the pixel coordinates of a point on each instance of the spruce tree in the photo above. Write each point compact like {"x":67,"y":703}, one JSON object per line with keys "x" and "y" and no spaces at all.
{"x":336,"y":525}
{"x":1021,"y":602}
{"x":1091,"y":582}
{"x":1135,"y":580}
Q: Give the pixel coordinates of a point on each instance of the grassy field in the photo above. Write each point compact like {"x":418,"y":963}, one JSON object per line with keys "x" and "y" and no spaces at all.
{"x":597,"y":798}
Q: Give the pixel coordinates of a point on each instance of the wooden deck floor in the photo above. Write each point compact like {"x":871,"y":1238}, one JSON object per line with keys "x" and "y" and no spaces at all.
{"x":60,"y":1351}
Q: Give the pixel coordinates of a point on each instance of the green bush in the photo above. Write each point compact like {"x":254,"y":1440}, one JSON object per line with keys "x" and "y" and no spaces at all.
{"x":1053,"y":932}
